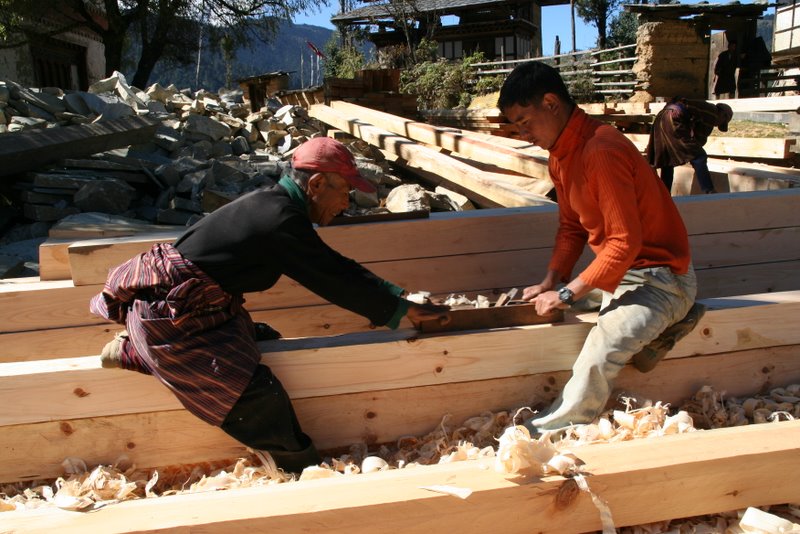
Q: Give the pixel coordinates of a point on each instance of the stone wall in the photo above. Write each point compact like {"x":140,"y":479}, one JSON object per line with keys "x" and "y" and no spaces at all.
{"x":672,"y":60}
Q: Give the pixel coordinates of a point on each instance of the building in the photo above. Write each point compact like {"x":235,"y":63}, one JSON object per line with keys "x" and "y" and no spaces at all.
{"x":501,"y":29}
{"x":72,"y":59}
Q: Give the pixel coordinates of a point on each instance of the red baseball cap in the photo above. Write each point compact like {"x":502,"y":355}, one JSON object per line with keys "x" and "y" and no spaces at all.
{"x":323,"y":154}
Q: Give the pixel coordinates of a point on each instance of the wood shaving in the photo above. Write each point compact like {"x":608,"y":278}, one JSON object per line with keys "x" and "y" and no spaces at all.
{"x":484,"y":436}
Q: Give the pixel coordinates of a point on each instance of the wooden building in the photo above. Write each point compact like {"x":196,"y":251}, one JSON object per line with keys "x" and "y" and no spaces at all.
{"x":257,"y":89}
{"x":501,"y":29}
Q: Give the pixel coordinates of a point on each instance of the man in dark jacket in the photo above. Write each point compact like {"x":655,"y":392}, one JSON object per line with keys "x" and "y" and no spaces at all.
{"x":182,"y":304}
{"x":680,"y":131}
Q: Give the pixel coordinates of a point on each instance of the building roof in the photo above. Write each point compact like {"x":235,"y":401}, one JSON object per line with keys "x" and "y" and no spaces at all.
{"x":443,"y":7}
{"x":675,"y":11}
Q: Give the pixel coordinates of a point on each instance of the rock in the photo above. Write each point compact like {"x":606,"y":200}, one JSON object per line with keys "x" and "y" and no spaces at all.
{"x":10,"y":266}
{"x":105,"y":196}
{"x":185,"y":204}
{"x":408,"y":197}
{"x":461,"y":202}
{"x":115,"y":110}
{"x":199,"y":127}
{"x":365,"y":200}
{"x":75,"y":103}
{"x":240,"y":145}
{"x":171,"y":216}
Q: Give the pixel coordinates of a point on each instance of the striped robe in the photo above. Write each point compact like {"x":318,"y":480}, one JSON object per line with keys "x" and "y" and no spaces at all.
{"x":183,"y":328}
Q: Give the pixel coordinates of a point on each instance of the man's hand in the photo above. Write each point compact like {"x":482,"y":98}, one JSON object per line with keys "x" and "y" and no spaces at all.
{"x":547,"y":302}
{"x":549,"y":282}
{"x":531,"y":292}
{"x":426,"y":312}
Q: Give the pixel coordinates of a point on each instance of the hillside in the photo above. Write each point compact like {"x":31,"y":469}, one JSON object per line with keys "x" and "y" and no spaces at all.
{"x":283,"y":53}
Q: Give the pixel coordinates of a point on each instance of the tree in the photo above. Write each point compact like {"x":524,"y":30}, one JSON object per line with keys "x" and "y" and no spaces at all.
{"x":342,"y":58}
{"x":164,"y":27}
{"x":622,"y":30}
{"x":597,"y":12}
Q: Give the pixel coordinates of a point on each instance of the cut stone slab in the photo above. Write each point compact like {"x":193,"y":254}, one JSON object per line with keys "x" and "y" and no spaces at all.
{"x":199,"y":127}
{"x":24,"y":151}
{"x":89,"y":225}
{"x":106,"y":196}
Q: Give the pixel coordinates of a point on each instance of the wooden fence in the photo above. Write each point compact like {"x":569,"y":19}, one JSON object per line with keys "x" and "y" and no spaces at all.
{"x":588,"y":73}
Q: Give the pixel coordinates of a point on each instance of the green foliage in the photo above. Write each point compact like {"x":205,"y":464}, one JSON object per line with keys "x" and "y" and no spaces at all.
{"x":444,"y":84}
{"x":342,"y":60}
{"x":597,"y":13}
{"x":622,"y":30}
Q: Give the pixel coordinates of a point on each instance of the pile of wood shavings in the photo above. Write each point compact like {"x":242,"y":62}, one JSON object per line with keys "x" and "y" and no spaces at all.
{"x":476,"y":437}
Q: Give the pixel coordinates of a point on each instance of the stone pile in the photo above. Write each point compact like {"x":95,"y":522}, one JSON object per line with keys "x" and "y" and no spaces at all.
{"x":207,"y":150}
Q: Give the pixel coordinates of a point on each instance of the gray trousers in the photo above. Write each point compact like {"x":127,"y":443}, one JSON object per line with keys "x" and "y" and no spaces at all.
{"x":646,"y":302}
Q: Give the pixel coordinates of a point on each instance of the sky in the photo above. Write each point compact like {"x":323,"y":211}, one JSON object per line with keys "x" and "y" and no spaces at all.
{"x":555,"y":21}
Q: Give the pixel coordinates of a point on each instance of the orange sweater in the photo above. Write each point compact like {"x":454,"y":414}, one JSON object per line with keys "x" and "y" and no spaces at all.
{"x":610,"y":198}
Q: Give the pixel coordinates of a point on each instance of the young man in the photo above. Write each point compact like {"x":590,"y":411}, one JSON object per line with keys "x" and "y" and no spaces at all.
{"x":679,"y":132}
{"x":608,"y":197}
{"x":182,"y":304}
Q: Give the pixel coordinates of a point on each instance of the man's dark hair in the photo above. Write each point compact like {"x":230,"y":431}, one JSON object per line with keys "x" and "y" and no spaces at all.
{"x":529,"y":82}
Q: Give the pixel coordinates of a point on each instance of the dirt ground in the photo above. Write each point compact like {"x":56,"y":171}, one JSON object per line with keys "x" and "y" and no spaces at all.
{"x":738,"y":128}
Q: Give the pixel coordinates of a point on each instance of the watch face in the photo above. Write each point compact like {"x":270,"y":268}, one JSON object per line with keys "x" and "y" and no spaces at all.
{"x":565,"y":295}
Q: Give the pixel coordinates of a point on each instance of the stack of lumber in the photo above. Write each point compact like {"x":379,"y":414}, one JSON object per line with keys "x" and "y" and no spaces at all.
{"x":374,"y":386}
{"x":484,"y":250}
{"x":352,"y":383}
{"x":479,"y":184}
{"x":740,"y":175}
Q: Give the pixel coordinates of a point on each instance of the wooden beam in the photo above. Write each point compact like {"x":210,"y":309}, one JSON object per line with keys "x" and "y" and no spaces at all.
{"x":738,"y":147}
{"x":330,"y":320}
{"x":455,"y":141}
{"x":698,"y":476}
{"x":44,"y":305}
{"x":744,"y":105}
{"x":26,"y":150}
{"x":163,"y":438}
{"x":488,"y":230}
{"x":78,"y":387}
{"x":495,"y":188}
{"x":61,"y":304}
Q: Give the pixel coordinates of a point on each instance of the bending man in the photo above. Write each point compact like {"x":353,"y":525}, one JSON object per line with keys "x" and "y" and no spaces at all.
{"x":182,"y":304}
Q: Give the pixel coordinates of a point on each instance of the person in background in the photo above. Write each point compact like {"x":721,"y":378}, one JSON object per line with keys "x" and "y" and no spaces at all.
{"x":182,"y":303}
{"x":679,"y":132}
{"x":612,"y":200}
{"x":724,"y":82}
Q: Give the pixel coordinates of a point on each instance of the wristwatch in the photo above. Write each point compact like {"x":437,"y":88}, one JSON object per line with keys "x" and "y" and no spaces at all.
{"x":566,"y":296}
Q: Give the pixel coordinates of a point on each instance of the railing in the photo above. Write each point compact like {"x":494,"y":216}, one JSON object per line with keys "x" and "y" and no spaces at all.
{"x":590,"y":72}
{"x":773,"y":82}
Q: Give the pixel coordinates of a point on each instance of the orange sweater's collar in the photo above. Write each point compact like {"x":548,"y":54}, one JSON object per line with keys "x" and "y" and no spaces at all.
{"x":568,"y":138}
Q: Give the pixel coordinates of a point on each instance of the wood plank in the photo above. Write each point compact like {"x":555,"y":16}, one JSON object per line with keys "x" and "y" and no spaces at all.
{"x":698,"y":476}
{"x":739,"y":147}
{"x":72,"y":388}
{"x":329,"y":320}
{"x":487,"y":230}
{"x":495,"y":188}
{"x":756,"y":278}
{"x":27,"y":150}
{"x":157,"y":439}
{"x":46,"y":305}
{"x":304,"y":321}
{"x":743,"y":105}
{"x":454,"y":141}
{"x":62,"y":305}
{"x":54,"y":259}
